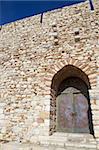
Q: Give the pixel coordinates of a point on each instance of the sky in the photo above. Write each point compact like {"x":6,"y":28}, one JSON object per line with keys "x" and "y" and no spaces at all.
{"x":11,"y":10}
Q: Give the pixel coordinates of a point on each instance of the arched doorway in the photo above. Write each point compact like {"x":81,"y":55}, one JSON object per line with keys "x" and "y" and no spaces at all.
{"x":73,"y":113}
{"x":70,"y":102}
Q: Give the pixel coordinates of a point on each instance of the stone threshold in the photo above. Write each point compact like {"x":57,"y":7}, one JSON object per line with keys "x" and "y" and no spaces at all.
{"x":68,"y":139}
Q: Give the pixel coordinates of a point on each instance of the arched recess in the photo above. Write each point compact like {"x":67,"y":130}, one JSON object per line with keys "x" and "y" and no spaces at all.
{"x":69,"y":72}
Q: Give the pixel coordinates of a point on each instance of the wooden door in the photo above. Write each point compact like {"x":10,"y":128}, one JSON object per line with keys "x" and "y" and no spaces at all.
{"x":72,"y":112}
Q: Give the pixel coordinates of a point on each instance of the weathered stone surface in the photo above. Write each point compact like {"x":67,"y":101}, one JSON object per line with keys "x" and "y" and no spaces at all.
{"x":31,"y":54}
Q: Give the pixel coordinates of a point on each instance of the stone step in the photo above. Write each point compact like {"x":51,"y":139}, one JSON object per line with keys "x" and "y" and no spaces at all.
{"x":65,"y":138}
{"x":16,"y":146}
{"x":70,"y":141}
{"x":57,"y":141}
{"x":72,"y":137}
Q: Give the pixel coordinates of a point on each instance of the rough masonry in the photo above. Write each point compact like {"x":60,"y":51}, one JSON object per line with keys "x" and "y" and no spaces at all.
{"x":31,"y":55}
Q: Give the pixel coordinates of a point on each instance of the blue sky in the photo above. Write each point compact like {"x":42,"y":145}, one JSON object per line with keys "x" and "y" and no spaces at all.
{"x":15,"y":10}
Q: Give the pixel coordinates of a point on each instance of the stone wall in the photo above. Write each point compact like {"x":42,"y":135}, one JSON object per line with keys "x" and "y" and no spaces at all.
{"x":31,"y":54}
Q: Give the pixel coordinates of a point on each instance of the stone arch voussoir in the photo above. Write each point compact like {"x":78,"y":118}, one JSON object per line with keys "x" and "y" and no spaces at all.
{"x":85,"y":67}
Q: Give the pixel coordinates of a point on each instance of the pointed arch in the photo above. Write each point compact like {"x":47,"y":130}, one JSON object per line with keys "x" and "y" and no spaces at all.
{"x":84,"y":67}
{"x":59,"y":72}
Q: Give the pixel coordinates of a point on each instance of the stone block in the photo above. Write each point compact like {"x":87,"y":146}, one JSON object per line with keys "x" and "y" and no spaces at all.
{"x":44,"y":115}
{"x":1,"y":111}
